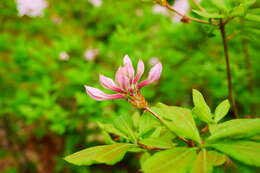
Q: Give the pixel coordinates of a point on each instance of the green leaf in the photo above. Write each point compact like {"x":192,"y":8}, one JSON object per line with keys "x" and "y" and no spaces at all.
{"x":216,"y":158}
{"x":254,"y":11}
{"x":222,"y":5}
{"x":156,"y":133}
{"x":109,"y":128}
{"x":253,"y":17}
{"x":179,"y":120}
{"x":157,"y":142}
{"x":124,"y":124}
{"x":108,"y":154}
{"x":175,"y":160}
{"x":208,"y":14}
{"x":248,"y":3}
{"x":136,"y":119}
{"x":144,"y":157}
{"x":147,"y":123}
{"x":201,"y":108}
{"x":221,"y":110}
{"x":235,"y":128}
{"x":239,"y":11}
{"x":253,"y":31}
{"x":212,"y":128}
{"x":202,"y":114}
{"x":107,"y":138}
{"x":245,"y":151}
{"x":198,"y":100}
{"x":255,"y":138}
{"x":206,"y":160}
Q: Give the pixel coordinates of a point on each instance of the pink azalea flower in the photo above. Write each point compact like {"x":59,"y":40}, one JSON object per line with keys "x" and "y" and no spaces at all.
{"x":96,"y":3}
{"x":126,"y":84}
{"x":153,"y":60}
{"x":31,"y":8}
{"x":90,"y":54}
{"x":181,"y":6}
{"x":158,"y":9}
{"x":56,"y":20}
{"x":139,"y":12}
{"x":64,"y":56}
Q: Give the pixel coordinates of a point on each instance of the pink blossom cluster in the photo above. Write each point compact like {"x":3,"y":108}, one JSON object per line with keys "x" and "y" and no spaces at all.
{"x":183,"y":7}
{"x":96,"y":3}
{"x":31,"y":8}
{"x":158,"y":9}
{"x":153,"y":60}
{"x":91,"y":54}
{"x":126,"y":84}
{"x":64,"y":56}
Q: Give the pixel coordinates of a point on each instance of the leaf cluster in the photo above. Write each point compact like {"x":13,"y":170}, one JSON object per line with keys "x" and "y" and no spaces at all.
{"x":175,"y":143}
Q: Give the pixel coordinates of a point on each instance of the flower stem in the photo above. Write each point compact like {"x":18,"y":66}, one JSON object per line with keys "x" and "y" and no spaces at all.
{"x":154,"y":114}
{"x":228,"y":69}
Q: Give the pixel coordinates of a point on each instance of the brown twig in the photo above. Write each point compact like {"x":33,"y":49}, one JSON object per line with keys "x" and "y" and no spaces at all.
{"x":189,"y":18}
{"x":228,"y":69}
{"x":204,"y":129}
{"x":150,"y":147}
{"x":226,"y":21}
{"x":191,"y":143}
{"x":231,"y":36}
{"x":154,"y":114}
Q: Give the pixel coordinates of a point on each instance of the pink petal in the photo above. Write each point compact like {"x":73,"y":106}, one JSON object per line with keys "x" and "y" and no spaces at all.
{"x":140,"y":71}
{"x":183,"y":7}
{"x":108,"y":83}
{"x":154,"y":75}
{"x":128,"y":67}
{"x":100,"y":95}
{"x":121,"y":79}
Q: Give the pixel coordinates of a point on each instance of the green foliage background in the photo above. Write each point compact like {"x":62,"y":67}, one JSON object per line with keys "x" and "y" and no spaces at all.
{"x":42,"y":97}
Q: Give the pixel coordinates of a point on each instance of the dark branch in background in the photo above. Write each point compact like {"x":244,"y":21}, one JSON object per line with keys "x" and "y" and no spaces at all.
{"x":229,"y":76}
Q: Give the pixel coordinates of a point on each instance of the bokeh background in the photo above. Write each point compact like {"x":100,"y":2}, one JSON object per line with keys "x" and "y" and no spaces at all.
{"x":45,"y":62}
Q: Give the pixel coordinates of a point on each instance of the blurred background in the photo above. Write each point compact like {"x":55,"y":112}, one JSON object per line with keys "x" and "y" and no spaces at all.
{"x":46,"y":58}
